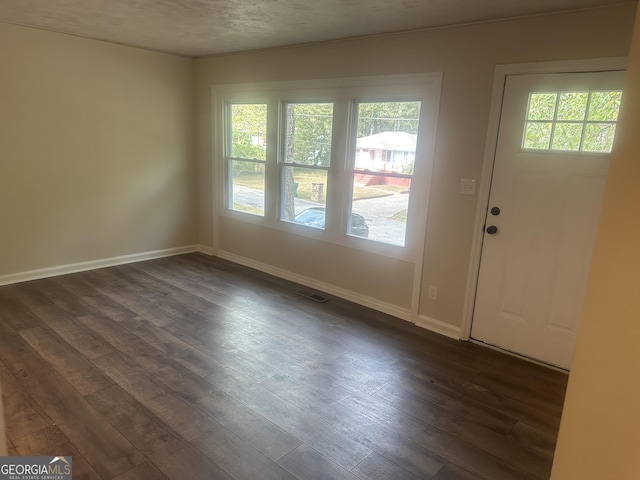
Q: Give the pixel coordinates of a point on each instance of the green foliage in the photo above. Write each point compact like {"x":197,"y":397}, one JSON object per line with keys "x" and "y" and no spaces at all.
{"x":249,"y":131}
{"x":378,"y":117}
{"x":604,"y":106}
{"x":537,"y":135}
{"x":305,"y":177}
{"x":542,"y":106}
{"x":572,"y":106}
{"x":599,"y":137}
{"x":400,"y":216}
{"x":567,"y":136}
{"x":577,"y":121}
{"x":309,"y":128}
{"x":241,"y":167}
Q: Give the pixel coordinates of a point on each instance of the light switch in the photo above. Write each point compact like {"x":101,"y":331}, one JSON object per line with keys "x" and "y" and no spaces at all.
{"x":468,"y":186}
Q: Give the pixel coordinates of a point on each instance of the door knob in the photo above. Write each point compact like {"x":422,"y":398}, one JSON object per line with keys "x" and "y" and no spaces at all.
{"x":495,"y":211}
{"x":492,"y":229}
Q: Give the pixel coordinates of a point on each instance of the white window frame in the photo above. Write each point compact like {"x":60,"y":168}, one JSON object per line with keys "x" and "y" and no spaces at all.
{"x":229,"y":158}
{"x":353,"y":125}
{"x":342,"y":93}
{"x":282,"y":164}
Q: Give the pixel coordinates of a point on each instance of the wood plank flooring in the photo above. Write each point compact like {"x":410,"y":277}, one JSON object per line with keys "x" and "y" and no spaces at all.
{"x":192,"y":367}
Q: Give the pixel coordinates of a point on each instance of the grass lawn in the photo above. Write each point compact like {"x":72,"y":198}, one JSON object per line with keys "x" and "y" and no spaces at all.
{"x":304,"y":179}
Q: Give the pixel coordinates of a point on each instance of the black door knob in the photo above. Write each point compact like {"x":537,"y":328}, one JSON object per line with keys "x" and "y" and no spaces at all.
{"x":492,"y":229}
{"x":495,"y":211}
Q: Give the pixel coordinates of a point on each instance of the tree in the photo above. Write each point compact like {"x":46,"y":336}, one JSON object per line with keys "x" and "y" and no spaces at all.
{"x":308,"y":129}
{"x":378,"y":117}
{"x":289,"y":210}
{"x":248,"y":135}
{"x":572,"y":121}
{"x":312,"y":126}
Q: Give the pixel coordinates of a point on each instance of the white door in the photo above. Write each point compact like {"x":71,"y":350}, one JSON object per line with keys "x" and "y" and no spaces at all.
{"x":552,"y":156}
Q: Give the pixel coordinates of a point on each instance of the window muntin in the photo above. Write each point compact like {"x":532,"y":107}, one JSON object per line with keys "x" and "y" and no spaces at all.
{"x":383,"y":166}
{"x":341,"y":226}
{"x":572,"y":121}
{"x":246,"y":157}
{"x":305,"y":161}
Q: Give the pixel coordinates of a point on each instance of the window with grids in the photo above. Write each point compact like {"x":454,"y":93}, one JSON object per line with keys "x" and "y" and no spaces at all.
{"x":306,"y":159}
{"x":342,"y":161}
{"x":382,"y":168}
{"x":572,"y":121}
{"x":247,"y":156}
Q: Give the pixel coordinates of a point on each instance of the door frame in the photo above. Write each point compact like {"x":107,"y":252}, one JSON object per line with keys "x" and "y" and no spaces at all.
{"x":484,"y":187}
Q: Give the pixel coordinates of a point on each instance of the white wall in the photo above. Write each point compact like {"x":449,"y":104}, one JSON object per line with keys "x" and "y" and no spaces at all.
{"x":96,"y":150}
{"x":600,"y":429}
{"x":467,"y":56}
{"x":96,"y":158}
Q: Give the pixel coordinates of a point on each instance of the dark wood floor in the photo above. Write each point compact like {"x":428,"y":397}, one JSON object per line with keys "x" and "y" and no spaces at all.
{"x":191,"y":367}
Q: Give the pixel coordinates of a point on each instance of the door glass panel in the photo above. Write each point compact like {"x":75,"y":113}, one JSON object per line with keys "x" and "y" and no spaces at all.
{"x":567,"y":136}
{"x":598,"y":137}
{"x":538,"y":135}
{"x":571,"y":121}
{"x":542,"y":106}
{"x":604,"y":106}
{"x":572,"y":106}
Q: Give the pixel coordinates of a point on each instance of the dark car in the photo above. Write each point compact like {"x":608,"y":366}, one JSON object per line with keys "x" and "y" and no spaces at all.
{"x":315,"y":217}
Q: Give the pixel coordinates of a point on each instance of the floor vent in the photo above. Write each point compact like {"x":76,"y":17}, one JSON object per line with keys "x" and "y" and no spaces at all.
{"x":313,"y":296}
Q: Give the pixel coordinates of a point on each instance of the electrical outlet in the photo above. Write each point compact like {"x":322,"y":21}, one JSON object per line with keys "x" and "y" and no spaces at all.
{"x":433,"y":292}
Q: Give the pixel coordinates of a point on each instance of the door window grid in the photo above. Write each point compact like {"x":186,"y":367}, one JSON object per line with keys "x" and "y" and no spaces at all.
{"x":572,"y":121}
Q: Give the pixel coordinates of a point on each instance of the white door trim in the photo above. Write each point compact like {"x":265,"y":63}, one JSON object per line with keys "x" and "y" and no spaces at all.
{"x":501,"y":73}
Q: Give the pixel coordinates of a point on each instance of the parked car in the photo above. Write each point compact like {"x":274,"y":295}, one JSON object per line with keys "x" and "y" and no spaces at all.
{"x":315,"y":217}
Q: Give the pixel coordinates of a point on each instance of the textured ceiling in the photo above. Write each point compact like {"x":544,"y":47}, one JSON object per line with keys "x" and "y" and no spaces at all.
{"x":207,"y":27}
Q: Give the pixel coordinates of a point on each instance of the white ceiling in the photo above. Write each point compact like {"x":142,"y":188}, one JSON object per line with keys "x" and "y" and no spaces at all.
{"x":207,"y":27}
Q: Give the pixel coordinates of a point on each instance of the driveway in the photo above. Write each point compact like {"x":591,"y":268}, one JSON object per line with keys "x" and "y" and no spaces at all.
{"x":377,"y":211}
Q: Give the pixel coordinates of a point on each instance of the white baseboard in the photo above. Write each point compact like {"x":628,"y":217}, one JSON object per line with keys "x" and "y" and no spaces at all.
{"x":205,"y":249}
{"x":94,"y":264}
{"x":388,"y":308}
{"x":438,"y":326}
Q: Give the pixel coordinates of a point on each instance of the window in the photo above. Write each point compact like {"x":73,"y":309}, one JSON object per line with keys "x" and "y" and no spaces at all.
{"x":572,"y":121}
{"x":246,"y":157}
{"x":337,"y":160}
{"x":306,"y":158}
{"x":385,"y":152}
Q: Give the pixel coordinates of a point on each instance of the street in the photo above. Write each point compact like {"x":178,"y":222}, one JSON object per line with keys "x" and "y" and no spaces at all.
{"x":377,"y":211}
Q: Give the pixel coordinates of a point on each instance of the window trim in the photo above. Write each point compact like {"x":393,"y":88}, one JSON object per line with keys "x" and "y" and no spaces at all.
{"x":341,"y":92}
{"x":229,"y":158}
{"x":352,"y":155}
{"x":282,"y":146}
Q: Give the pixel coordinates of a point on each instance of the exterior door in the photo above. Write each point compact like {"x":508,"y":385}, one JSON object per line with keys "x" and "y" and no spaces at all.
{"x":552,"y":156}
